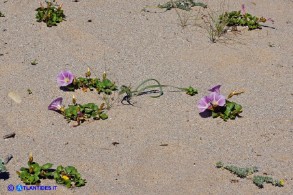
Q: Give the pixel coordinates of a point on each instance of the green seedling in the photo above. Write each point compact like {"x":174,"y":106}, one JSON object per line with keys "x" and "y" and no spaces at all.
{"x":34,"y":62}
{"x":68,"y":176}
{"x":190,"y":91}
{"x":29,"y":91}
{"x":1,"y":14}
{"x":181,"y":4}
{"x":2,"y":167}
{"x":51,"y":15}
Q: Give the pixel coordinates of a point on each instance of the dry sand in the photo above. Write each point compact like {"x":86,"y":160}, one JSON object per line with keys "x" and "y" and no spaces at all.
{"x":131,"y":46}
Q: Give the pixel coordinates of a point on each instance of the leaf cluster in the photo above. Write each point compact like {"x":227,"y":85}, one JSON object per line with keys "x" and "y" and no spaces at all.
{"x":1,"y":14}
{"x":235,"y":18}
{"x":68,"y":176}
{"x":244,"y":172}
{"x":260,"y":180}
{"x":190,"y":91}
{"x":230,"y":111}
{"x":181,"y":4}
{"x":81,"y":113}
{"x":241,"y":172}
{"x":35,"y":172}
{"x":102,"y":86}
{"x":51,"y":15}
{"x":2,"y":167}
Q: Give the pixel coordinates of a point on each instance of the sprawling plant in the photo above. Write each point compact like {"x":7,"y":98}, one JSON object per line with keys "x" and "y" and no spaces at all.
{"x":68,"y":81}
{"x":258,"y":180}
{"x":33,"y":174}
{"x":79,"y":112}
{"x":51,"y":14}
{"x":241,"y":18}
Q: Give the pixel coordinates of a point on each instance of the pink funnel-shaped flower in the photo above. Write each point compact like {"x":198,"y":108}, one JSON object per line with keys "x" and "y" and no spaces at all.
{"x":56,"y":104}
{"x":215,"y":89}
{"x":216,"y":99}
{"x":204,"y":104}
{"x":65,"y":78}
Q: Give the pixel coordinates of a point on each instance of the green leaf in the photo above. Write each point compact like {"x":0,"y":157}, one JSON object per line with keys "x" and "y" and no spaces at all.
{"x":56,"y":175}
{"x":190,"y":91}
{"x":88,"y":110}
{"x":103,"y":116}
{"x":59,"y":169}
{"x":36,"y":166}
{"x":46,"y":166}
{"x":215,"y":114}
{"x":238,"y":107}
{"x":80,"y":182}
{"x":68,"y":183}
{"x":69,"y":169}
{"x":2,"y":167}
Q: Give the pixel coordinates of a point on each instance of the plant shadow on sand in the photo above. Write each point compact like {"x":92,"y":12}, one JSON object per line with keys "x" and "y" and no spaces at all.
{"x":4,"y":175}
{"x":206,"y":114}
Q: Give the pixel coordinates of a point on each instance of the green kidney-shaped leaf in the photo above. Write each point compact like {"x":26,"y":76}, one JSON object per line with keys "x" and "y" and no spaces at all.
{"x":47,"y":166}
{"x":103,"y":116}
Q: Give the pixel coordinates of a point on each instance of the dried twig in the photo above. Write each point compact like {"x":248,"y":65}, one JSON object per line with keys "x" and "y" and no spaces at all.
{"x":10,"y":135}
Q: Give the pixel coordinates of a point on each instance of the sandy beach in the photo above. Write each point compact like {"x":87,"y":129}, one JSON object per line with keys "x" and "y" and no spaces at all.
{"x":165,"y":146}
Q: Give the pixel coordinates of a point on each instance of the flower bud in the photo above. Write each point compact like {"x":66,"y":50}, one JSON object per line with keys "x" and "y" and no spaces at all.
{"x":74,"y":82}
{"x":62,"y":109}
{"x":31,"y":170}
{"x":104,"y":75}
{"x":262,"y":19}
{"x":88,"y":73}
{"x":73,"y":99}
{"x":31,"y":159}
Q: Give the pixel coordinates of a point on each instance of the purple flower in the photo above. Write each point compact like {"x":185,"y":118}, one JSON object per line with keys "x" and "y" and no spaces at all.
{"x":65,"y":78}
{"x":216,"y":99}
{"x":215,"y":89}
{"x":204,"y":104}
{"x":56,"y":104}
{"x":212,"y":101}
